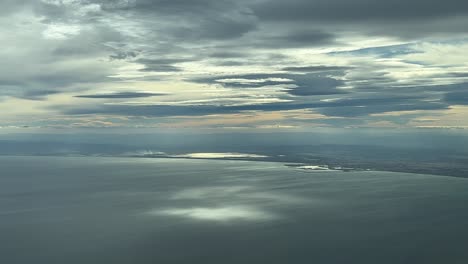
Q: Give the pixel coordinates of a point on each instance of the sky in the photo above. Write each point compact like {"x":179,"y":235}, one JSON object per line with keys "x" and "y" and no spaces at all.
{"x":233,"y":65}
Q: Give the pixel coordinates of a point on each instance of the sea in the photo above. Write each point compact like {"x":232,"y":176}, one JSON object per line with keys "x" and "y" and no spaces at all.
{"x":99,"y":210}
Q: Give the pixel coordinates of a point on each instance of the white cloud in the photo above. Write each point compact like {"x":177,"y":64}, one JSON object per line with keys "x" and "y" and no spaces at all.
{"x":61,"y":31}
{"x":440,"y":54}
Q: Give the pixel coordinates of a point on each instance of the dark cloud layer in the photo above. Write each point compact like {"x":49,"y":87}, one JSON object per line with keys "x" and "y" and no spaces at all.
{"x":353,"y":107}
{"x":358,"y":10}
{"x":304,"y":84}
{"x":457,"y":98}
{"x":161,"y":65}
{"x":297,"y":39}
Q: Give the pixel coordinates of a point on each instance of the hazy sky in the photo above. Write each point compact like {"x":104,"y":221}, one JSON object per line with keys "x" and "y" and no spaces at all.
{"x":256,"y":64}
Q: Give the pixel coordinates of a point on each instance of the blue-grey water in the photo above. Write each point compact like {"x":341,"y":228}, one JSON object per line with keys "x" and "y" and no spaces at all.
{"x":124,"y":210}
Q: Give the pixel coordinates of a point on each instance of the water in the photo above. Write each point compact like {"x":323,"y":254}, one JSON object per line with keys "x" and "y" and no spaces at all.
{"x":119,"y":210}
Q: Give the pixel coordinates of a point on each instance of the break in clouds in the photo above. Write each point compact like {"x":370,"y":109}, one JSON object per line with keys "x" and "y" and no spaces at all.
{"x":233,"y":64}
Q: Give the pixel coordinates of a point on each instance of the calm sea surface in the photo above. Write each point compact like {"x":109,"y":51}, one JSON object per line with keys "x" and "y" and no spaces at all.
{"x":123,"y":210}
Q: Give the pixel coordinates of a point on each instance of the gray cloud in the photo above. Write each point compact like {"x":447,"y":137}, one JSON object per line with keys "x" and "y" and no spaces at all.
{"x":216,"y":29}
{"x":451,"y":88}
{"x":348,"y":107}
{"x":364,"y":110}
{"x":161,"y":65}
{"x":38,"y":94}
{"x":296,"y":39}
{"x":160,"y":68}
{"x":189,"y":20}
{"x":122,"y":55}
{"x":87,"y":43}
{"x":358,"y":10}
{"x":457,"y":98}
{"x":385,"y":18}
{"x":314,"y":85}
{"x":302,"y":84}
{"x":227,"y":54}
{"x":11,"y":6}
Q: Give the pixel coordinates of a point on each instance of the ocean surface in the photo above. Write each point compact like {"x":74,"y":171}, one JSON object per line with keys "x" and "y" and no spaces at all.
{"x":142,"y":210}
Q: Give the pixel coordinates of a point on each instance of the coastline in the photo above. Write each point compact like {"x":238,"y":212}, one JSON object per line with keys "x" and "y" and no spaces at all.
{"x":307,"y":167}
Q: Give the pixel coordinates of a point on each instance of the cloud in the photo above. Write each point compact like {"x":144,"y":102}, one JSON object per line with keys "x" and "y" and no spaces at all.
{"x":227,"y":54}
{"x":457,"y":98}
{"x":339,"y":58}
{"x":365,"y":110}
{"x":358,"y":10}
{"x":287,"y":40}
{"x":120,"y":95}
{"x":344,"y":107}
{"x":315,"y":68}
{"x":395,"y":18}
{"x":191,"y":21}
{"x":160,"y":65}
{"x":314,"y":85}
{"x":296,"y":84}
{"x":61,"y":58}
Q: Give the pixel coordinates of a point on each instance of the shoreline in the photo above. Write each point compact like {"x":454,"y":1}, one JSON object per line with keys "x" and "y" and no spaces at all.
{"x":305,"y":167}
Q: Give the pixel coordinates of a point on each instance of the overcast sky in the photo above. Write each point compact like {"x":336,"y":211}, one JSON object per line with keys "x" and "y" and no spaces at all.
{"x":225,"y":64}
